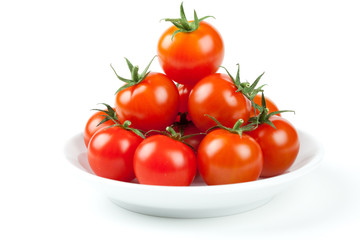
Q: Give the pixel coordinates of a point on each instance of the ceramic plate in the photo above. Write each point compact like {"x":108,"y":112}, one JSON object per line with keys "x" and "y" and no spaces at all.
{"x":197,"y":200}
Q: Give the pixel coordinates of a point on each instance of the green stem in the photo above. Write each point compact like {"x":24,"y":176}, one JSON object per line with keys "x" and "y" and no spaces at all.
{"x":238,"y":125}
{"x":126,"y":124}
{"x":135,"y":74}
{"x":172,"y":132}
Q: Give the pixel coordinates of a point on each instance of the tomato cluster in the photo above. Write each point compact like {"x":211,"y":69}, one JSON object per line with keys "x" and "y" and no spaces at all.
{"x":166,"y":127}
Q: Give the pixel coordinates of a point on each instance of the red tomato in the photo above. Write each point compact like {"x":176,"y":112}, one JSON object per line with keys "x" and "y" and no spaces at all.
{"x":151,"y":104}
{"x":269,"y":104}
{"x":184,"y":92}
{"x":161,"y":160}
{"x":111,"y":151}
{"x":225,"y":158}
{"x":216,"y":96}
{"x":280,"y":146}
{"x":190,"y":56}
{"x":91,"y":126}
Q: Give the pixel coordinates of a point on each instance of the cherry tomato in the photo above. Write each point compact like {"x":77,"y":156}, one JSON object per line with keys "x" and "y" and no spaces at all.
{"x":225,"y":158}
{"x":190,"y":56}
{"x":269,"y":104}
{"x":151,"y":104}
{"x":280,"y":146}
{"x":92,"y":126}
{"x":216,"y":96}
{"x":184,"y":92}
{"x":111,"y":151}
{"x":161,"y":160}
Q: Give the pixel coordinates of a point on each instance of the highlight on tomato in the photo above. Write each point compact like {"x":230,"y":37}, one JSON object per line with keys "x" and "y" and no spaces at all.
{"x":189,"y":51}
{"x":111,"y":151}
{"x":165,"y":160}
{"x":228,"y":155}
{"x":148,"y":100}
{"x":278,"y":140}
{"x":223,"y":97}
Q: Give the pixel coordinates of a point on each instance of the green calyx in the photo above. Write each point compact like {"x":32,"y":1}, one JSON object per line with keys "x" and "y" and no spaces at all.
{"x":264,"y":115}
{"x":110,"y":115}
{"x":237,"y":128}
{"x":136,"y":77}
{"x":183,"y":24}
{"x":249,"y":90}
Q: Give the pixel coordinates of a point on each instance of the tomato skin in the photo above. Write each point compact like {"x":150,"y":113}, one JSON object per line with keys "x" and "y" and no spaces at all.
{"x":280,"y":146}
{"x":111,"y":151}
{"x":160,"y":160}
{"x":216,"y":96}
{"x":91,"y":126}
{"x":151,"y":104}
{"x":189,"y":57}
{"x":184,"y":92}
{"x":269,"y":104}
{"x":226,"y":158}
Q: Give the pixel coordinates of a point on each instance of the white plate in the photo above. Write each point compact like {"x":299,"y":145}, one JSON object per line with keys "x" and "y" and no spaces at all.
{"x":198,"y":200}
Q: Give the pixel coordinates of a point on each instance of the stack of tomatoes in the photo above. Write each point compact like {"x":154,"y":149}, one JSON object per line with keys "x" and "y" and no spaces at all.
{"x":166,"y":127}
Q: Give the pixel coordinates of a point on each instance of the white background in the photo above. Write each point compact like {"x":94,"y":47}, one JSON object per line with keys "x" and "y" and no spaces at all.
{"x":54,"y":68}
